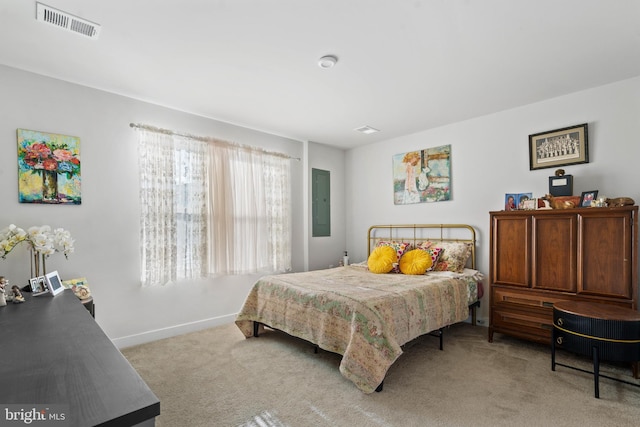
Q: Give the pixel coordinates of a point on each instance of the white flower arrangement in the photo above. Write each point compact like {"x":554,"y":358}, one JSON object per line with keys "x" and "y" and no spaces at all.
{"x":41,"y":240}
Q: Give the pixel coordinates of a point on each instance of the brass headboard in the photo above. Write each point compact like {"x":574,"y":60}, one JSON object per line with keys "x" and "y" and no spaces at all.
{"x":415,"y":233}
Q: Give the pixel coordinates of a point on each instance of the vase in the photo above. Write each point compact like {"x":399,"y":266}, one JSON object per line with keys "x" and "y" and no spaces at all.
{"x":49,"y":185}
{"x":38,"y":267}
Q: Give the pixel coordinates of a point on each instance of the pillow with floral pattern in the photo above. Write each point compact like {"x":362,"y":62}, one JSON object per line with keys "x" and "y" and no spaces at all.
{"x":454,"y":255}
{"x":434,"y":253}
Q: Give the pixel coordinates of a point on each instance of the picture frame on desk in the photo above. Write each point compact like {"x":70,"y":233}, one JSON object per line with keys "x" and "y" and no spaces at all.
{"x":54,"y":283}
{"x":38,"y":286}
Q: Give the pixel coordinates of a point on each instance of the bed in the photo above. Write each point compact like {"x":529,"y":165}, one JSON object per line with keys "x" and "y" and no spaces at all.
{"x":367,"y":317}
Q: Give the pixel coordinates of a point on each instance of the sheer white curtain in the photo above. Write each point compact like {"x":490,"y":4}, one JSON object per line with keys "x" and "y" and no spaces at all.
{"x":173,"y":199}
{"x":250,"y":206}
{"x":209,"y":208}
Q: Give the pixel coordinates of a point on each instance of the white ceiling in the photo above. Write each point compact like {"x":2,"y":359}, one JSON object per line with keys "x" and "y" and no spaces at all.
{"x":404,"y":66}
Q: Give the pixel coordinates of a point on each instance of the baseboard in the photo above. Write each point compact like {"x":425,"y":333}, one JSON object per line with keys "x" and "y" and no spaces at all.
{"x":482,"y":321}
{"x":172,"y":331}
{"x":185,"y":328}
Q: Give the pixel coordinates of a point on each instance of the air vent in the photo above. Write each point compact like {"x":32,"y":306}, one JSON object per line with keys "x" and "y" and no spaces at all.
{"x":366,"y":130}
{"x":66,"y":21}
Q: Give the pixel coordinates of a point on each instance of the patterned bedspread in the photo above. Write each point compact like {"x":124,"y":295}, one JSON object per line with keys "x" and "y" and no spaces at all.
{"x":365,"y":317}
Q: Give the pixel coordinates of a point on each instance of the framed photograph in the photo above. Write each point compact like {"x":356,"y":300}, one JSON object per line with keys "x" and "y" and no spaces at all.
{"x":559,"y":147}
{"x":516,"y":201}
{"x":587,"y":197}
{"x":54,"y":283}
{"x":38,"y":286}
{"x":530,"y":204}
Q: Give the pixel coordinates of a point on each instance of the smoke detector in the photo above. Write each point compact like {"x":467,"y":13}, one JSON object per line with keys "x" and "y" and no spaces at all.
{"x":327,"y":61}
{"x":66,"y":21}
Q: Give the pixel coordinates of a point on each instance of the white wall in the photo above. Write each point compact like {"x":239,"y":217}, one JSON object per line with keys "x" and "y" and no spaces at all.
{"x":106,"y":224}
{"x":327,"y":251}
{"x":490,"y":158}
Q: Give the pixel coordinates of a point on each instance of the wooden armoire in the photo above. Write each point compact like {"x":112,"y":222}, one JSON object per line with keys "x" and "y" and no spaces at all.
{"x":539,"y":257}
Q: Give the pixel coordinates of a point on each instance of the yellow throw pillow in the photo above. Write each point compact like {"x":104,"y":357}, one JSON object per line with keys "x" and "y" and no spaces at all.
{"x":381,"y":259}
{"x":415,"y":261}
{"x":399,"y":247}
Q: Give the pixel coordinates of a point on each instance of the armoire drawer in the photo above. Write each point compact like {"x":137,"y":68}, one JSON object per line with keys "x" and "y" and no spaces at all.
{"x":515,"y":297}
{"x":535,"y":322}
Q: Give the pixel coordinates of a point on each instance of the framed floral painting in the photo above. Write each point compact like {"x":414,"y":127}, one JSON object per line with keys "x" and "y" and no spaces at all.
{"x":48,"y":168}
{"x":422,"y":176}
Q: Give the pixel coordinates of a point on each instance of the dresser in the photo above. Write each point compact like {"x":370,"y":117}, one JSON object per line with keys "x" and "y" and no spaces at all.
{"x":541,"y":257}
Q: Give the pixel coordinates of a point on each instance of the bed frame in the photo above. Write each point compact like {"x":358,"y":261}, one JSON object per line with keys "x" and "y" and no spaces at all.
{"x":415,"y":233}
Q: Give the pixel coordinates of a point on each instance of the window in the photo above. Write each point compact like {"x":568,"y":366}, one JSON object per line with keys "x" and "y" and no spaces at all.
{"x":209,"y":208}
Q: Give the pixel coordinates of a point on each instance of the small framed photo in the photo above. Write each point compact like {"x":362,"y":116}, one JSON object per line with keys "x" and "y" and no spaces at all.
{"x":530,"y":204}
{"x":559,"y":147}
{"x":54,"y":283}
{"x":524,"y":198}
{"x":38,"y":286}
{"x":588,"y":197}
{"x":516,"y":201}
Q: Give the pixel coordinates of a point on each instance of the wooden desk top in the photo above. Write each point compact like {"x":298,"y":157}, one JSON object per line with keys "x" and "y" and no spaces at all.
{"x":53,"y":352}
{"x":598,"y":311}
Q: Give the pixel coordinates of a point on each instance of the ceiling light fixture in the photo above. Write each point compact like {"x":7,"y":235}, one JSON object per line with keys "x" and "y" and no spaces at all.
{"x":367,"y":130}
{"x":327,"y":61}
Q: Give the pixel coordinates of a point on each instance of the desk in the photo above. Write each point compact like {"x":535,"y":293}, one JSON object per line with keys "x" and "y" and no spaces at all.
{"x":601,"y":331}
{"x":89,"y":305}
{"x":53,"y":352}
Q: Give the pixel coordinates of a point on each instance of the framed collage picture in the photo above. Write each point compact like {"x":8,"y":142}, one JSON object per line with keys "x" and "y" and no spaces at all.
{"x":38,"y":286}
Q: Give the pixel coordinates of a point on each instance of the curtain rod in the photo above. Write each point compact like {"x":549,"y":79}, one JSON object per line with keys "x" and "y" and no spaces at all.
{"x":208,"y":139}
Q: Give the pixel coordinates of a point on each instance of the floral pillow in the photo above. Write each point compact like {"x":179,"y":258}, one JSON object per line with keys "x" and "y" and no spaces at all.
{"x":434,"y":253}
{"x":381,"y":260}
{"x":416,"y":261}
{"x":399,"y":247}
{"x":454,"y":255}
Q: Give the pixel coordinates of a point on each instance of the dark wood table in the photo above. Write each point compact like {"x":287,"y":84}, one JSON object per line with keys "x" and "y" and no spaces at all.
{"x":55,"y":355}
{"x":602,"y":331}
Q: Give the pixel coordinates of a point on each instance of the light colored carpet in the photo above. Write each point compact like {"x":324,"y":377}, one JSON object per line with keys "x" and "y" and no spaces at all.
{"x":216,"y":377}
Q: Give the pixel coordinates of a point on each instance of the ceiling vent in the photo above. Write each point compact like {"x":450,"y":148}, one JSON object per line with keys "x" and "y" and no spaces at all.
{"x":66,"y":21}
{"x":367,"y":130}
